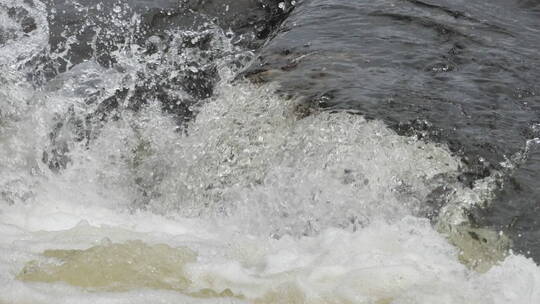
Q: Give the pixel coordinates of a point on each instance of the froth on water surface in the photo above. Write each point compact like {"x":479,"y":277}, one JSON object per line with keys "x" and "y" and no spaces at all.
{"x":244,"y":210}
{"x":406,"y":262}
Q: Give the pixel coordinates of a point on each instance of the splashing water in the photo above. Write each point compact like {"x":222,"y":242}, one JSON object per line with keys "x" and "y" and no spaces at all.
{"x":245,"y":201}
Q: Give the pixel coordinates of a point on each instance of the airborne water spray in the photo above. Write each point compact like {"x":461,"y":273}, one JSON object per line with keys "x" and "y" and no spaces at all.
{"x":167,"y":187}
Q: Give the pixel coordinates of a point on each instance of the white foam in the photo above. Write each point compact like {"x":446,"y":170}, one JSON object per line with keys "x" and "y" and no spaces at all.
{"x":392,"y":257}
{"x":405,"y":262}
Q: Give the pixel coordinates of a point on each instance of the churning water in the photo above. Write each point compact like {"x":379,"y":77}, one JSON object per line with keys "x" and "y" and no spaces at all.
{"x":137,"y":167}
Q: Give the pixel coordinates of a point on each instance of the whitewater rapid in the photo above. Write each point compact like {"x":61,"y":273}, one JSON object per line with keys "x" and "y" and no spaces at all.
{"x":251,"y":201}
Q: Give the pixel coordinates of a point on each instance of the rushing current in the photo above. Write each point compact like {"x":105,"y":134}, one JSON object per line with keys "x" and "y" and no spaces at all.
{"x":261,"y":151}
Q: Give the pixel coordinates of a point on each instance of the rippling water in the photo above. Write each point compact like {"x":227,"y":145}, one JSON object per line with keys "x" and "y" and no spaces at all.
{"x":268,"y":152}
{"x":463,"y":73}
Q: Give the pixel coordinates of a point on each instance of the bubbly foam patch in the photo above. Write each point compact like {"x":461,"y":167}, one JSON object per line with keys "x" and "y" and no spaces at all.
{"x":283,"y":210}
{"x":300,"y":182}
{"x":248,"y":157}
{"x":406,"y":262}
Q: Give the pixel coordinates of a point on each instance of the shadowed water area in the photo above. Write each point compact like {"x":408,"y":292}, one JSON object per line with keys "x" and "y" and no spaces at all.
{"x":266,"y":151}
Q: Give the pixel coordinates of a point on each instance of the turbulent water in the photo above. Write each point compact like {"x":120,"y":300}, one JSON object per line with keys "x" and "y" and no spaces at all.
{"x":139,"y":165}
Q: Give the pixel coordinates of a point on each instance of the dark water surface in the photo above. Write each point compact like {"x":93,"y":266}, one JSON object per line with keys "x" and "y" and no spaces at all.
{"x":460,"y":72}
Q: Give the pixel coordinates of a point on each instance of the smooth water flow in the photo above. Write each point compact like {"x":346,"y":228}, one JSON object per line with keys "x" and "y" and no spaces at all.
{"x":136,"y":166}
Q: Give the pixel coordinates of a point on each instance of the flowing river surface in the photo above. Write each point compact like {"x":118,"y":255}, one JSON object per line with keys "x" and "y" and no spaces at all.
{"x":261,"y":151}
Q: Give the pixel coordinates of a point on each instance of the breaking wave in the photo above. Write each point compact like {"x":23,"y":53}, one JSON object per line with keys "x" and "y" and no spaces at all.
{"x":161,"y":177}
